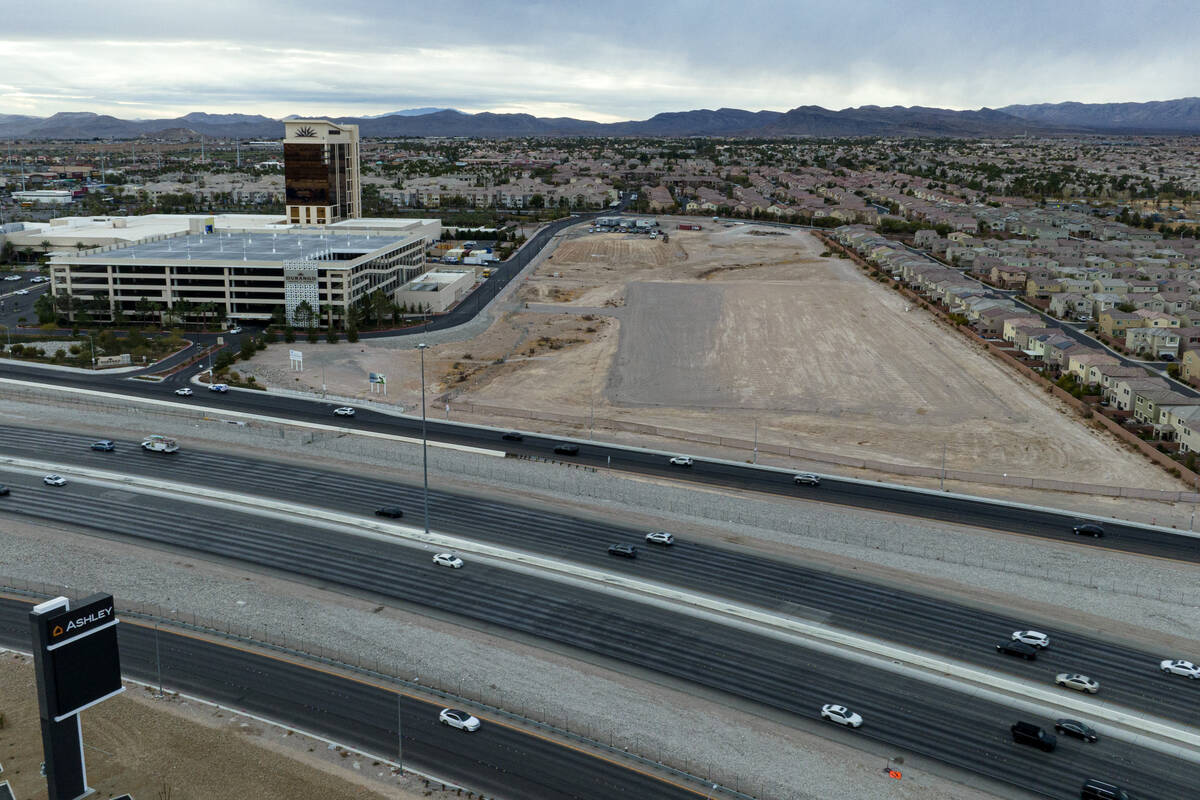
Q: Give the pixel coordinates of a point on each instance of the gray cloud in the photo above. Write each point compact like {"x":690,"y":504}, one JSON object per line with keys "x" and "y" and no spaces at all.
{"x":616,"y":60}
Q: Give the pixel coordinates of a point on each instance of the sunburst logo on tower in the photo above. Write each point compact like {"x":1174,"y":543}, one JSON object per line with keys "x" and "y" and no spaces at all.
{"x":305,"y":132}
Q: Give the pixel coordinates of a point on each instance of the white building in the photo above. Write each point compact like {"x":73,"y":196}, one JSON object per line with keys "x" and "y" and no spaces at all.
{"x":436,"y":290}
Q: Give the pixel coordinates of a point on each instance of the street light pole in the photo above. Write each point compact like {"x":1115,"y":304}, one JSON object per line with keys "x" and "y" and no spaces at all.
{"x":756,"y":440}
{"x":424,"y":438}
{"x":92,"y":343}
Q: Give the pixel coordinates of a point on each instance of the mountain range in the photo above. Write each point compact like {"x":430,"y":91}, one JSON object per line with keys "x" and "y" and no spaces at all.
{"x":1180,"y":117}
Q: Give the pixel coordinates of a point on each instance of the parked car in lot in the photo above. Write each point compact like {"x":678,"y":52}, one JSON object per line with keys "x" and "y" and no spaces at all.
{"x":1030,"y":734}
{"x":806,"y":479}
{"x":184,"y":392}
{"x":1018,"y":649}
{"x":104,"y":445}
{"x":566,"y":449}
{"x":54,"y":480}
{"x":1080,"y":683}
{"x":682,"y":461}
{"x":234,"y":331}
{"x":394,"y":512}
{"x":622,"y":550}
{"x":218,"y":387}
{"x":1185,"y":668}
{"x":841,"y":715}
{"x":660,"y":537}
{"x":344,"y":411}
{"x":1075,"y":728}
{"x":458,"y":719}
{"x":513,"y":436}
{"x":1088,"y":529}
{"x":1035,"y":638}
{"x":448,"y":560}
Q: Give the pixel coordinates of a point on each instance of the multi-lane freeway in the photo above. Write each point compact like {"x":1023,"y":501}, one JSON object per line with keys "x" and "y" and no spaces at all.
{"x":499,"y":760}
{"x":923,"y":504}
{"x":1129,"y":677}
{"x":933,"y":720}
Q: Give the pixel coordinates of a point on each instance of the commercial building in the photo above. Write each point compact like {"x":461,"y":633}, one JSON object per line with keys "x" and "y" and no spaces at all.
{"x":436,"y":290}
{"x":321,"y":172}
{"x":312,"y":275}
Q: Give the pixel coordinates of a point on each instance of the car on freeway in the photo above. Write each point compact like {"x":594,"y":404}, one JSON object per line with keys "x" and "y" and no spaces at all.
{"x":104,"y":445}
{"x":841,"y":715}
{"x":513,"y":436}
{"x":806,"y":479}
{"x":1035,"y":638}
{"x":458,"y":719}
{"x":660,"y":537}
{"x":234,"y":331}
{"x":682,"y":461}
{"x":1088,"y":529}
{"x":218,"y":387}
{"x":622,"y":550}
{"x":3,"y":490}
{"x":392,"y":512}
{"x":1185,"y":668}
{"x":21,"y":291}
{"x":12,"y":277}
{"x":184,"y":392}
{"x":344,"y":411}
{"x":448,"y":560}
{"x":566,"y":449}
{"x":1080,"y":683}
{"x":54,"y":480}
{"x":1073,"y":727}
{"x":1018,"y":649}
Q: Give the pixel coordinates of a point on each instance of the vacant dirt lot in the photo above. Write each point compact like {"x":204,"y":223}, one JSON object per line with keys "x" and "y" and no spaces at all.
{"x":716,"y":330}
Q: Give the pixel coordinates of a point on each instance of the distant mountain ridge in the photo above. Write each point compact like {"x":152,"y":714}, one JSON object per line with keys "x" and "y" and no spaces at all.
{"x":1159,"y":117}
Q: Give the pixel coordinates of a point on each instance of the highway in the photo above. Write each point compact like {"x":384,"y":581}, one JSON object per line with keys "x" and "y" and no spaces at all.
{"x":927,"y":505}
{"x":958,"y":729}
{"x":498,"y":760}
{"x":1128,"y":677}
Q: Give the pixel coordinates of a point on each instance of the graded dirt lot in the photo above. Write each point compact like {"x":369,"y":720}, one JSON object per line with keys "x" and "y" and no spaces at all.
{"x":720,"y":329}
{"x":176,"y":749}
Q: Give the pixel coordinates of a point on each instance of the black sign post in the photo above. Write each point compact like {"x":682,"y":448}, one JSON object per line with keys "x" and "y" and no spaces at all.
{"x":78,"y":665}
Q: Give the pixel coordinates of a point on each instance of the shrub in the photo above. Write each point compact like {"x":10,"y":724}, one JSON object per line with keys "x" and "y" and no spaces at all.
{"x":289,"y":334}
{"x":331,"y":336}
{"x":352,"y":335}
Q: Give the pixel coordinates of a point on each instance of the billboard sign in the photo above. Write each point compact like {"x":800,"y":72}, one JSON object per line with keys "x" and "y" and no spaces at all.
{"x":376,"y":377}
{"x":95,"y":614}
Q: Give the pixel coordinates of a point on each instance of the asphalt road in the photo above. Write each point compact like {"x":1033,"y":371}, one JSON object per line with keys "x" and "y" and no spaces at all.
{"x":498,"y":760}
{"x":931,"y":720}
{"x":1053,"y":525}
{"x":1128,"y":677}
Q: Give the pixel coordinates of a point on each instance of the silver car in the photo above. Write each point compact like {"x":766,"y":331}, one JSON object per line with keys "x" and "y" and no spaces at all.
{"x":1080,"y":683}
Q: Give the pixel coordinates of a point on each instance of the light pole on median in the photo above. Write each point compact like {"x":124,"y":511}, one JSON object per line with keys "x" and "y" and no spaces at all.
{"x":424,"y":439}
{"x":92,"y":344}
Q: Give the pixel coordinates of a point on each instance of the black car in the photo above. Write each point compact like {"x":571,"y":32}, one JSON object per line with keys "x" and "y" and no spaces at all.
{"x":563,"y":448}
{"x":1030,"y":734}
{"x":106,"y":445}
{"x":1018,"y":649}
{"x":1088,"y":529}
{"x":513,"y":436}
{"x":395,"y":512}
{"x":1073,"y":727}
{"x":622,"y":550}
{"x":3,"y":490}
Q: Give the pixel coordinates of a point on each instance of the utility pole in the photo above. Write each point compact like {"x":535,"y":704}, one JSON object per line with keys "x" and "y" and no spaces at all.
{"x":424,"y":437}
{"x":755,"y":440}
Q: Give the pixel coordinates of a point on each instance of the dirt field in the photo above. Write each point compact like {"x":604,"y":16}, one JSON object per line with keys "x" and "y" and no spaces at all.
{"x":172,"y":749}
{"x":722,"y":328}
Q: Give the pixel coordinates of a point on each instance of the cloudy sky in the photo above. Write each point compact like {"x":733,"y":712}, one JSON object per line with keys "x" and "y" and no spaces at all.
{"x":606,"y":61}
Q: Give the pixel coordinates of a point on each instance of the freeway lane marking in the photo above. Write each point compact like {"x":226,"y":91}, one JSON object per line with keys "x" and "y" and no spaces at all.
{"x":222,"y":412}
{"x":1152,"y":732}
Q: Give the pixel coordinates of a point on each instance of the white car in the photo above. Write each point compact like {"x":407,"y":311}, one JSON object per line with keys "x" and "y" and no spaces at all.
{"x":39,"y":279}
{"x":1185,"y":668}
{"x":458,"y":719}
{"x":12,"y":277}
{"x":841,"y":715}
{"x":1080,"y":683}
{"x":682,"y":461}
{"x":54,"y":480}
{"x":806,"y":479}
{"x":448,"y":560}
{"x":218,"y":387}
{"x":660,"y":537}
{"x":1034,"y":638}
{"x":234,"y":331}
{"x":21,"y":291}
{"x":344,"y":411}
{"x":184,"y":392}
